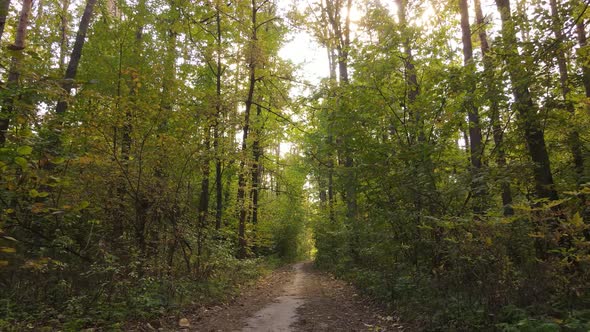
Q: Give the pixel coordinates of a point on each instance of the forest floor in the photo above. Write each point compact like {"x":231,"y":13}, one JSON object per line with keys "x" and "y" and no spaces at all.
{"x":293,"y":298}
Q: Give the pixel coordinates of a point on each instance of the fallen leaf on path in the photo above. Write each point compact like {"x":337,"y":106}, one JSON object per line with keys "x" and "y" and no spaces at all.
{"x":183,"y":322}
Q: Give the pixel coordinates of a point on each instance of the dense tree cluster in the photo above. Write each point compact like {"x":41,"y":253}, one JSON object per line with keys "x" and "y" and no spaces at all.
{"x":450,"y":145}
{"x":140,"y":155}
{"x":442,"y":164}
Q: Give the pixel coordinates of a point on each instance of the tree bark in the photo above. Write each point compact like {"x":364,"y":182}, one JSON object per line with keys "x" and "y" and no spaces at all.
{"x":341,"y":34}
{"x":584,"y":54}
{"x":526,"y":108}
{"x":14,"y":71}
{"x":72,"y":69}
{"x":256,"y":154}
{"x":218,"y":122}
{"x":4,"y":7}
{"x":475,"y":138}
{"x":63,"y":31}
{"x":241,"y":200}
{"x":574,"y":135}
{"x":492,"y":94}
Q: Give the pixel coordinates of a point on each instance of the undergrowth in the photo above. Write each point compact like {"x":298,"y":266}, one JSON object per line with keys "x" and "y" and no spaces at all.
{"x":114,"y":300}
{"x":528,"y":272}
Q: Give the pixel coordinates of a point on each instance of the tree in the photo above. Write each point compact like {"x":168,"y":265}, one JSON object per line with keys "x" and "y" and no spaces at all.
{"x":72,"y":69}
{"x":475,"y":138}
{"x":492,"y":95}
{"x":14,"y":72}
{"x":4,"y":7}
{"x":525,"y":106}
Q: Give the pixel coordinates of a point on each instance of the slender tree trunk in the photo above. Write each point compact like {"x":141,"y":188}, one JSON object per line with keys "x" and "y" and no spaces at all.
{"x":257,"y":154}
{"x":330,"y":125}
{"x":584,"y":55}
{"x":351,"y":193}
{"x":72,"y":69}
{"x":492,"y":94}
{"x":412,"y":86}
{"x":574,"y":136}
{"x":218,"y":122}
{"x":475,"y":138}
{"x":14,"y":71}
{"x":242,"y":206}
{"x":63,"y":32}
{"x":525,"y":106}
{"x":341,"y":34}
{"x":204,"y":197}
{"x":424,"y":164}
{"x":4,"y":8}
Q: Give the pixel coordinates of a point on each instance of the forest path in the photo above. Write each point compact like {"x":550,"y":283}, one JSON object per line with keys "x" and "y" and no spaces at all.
{"x":295,"y":298}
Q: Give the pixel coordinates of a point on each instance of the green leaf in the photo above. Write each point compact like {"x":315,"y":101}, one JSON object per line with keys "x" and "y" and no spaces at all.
{"x":24,"y":150}
{"x":83,"y":205}
{"x":58,"y":160}
{"x":22,"y":162}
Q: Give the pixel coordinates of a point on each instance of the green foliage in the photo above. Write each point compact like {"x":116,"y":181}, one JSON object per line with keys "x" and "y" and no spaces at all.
{"x":101,"y":207}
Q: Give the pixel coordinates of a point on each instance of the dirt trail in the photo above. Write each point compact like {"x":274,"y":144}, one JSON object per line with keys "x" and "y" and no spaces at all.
{"x":280,"y":314}
{"x":295,"y":298}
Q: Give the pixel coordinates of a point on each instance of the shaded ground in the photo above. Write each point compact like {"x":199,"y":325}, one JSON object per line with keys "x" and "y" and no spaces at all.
{"x":293,"y":298}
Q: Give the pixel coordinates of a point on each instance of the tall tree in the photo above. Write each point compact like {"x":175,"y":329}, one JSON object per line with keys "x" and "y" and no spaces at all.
{"x":564,"y":81}
{"x":492,"y":95}
{"x":475,"y":138}
{"x":219,"y":116}
{"x":63,"y":30}
{"x":340,"y":27}
{"x":253,"y":64}
{"x":4,"y":7}
{"x":72,"y":68}
{"x":14,"y":72}
{"x":584,"y":54}
{"x":525,"y":106}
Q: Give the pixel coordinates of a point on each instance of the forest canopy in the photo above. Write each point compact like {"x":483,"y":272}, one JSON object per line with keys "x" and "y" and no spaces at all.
{"x":159,"y":153}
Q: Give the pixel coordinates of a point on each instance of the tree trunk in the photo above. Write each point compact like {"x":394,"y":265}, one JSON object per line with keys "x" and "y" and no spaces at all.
{"x":242,"y":206}
{"x":204,"y":197}
{"x":584,"y":55}
{"x":574,"y":136}
{"x":492,"y":94}
{"x":341,"y":33}
{"x":475,"y":138}
{"x":217,"y":129}
{"x":14,"y":71}
{"x":526,"y":108}
{"x":72,"y":69}
{"x":63,"y":31}
{"x":256,"y":154}
{"x":4,"y":7}
{"x":332,"y":60}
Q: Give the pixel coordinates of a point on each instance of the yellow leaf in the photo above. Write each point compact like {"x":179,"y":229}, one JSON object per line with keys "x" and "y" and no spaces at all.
{"x":84,"y":160}
{"x":577,"y":220}
{"x":537,"y":235}
{"x":7,"y":250}
{"x":37,"y":208}
{"x":3,"y":263}
{"x":489,"y":241}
